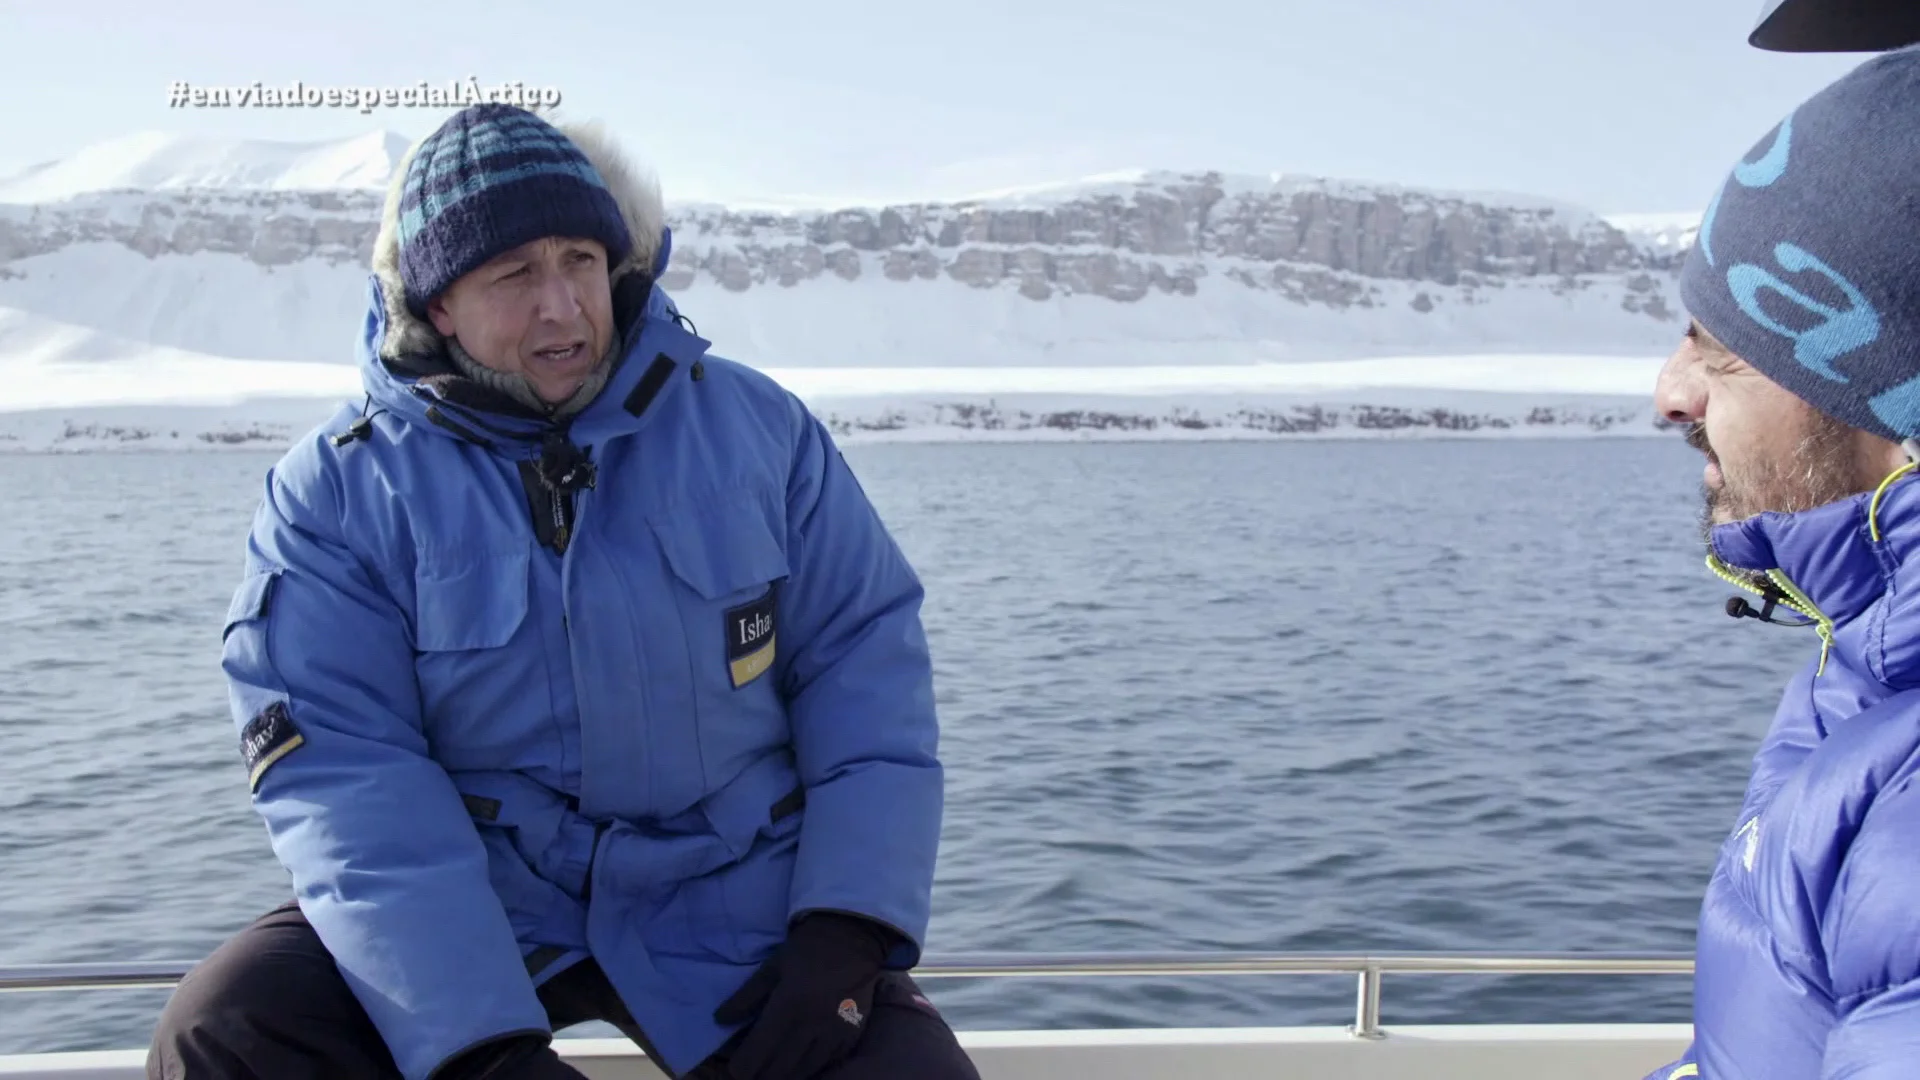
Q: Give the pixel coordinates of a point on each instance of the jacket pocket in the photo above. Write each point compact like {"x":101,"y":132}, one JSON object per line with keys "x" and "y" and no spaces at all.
{"x":740,"y":911}
{"x":756,"y":896}
{"x":479,"y":659}
{"x":244,"y":654}
{"x":722,"y":547}
{"x":731,"y":563}
{"x":473,"y":601}
{"x":725,"y":563}
{"x":251,"y":599}
{"x":540,"y":912}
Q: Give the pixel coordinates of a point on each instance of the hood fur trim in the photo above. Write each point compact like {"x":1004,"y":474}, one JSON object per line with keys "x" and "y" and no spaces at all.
{"x":635,"y":190}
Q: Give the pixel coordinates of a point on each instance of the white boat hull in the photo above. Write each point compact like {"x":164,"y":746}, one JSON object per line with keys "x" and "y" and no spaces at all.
{"x":1449,"y":1052}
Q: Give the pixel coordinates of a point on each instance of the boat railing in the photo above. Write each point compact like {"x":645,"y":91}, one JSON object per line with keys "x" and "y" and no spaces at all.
{"x":1368,"y":969}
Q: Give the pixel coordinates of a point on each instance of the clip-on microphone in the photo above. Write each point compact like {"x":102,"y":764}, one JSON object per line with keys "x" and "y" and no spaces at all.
{"x":1739,"y":608}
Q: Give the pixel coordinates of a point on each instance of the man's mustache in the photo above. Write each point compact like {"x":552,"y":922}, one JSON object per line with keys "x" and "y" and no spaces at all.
{"x":1697,"y":438}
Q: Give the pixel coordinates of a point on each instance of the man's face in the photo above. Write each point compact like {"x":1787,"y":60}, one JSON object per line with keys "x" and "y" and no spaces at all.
{"x":543,"y":311}
{"x":1766,"y":449}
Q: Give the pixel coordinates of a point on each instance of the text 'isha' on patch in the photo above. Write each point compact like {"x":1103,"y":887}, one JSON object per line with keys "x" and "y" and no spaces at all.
{"x":750,"y":639}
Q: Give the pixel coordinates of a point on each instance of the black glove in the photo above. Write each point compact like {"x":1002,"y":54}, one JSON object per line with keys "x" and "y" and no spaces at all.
{"x":817,"y":989}
{"x":521,"y":1057}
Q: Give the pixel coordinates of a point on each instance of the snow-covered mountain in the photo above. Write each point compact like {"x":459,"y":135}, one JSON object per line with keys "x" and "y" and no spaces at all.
{"x":254,"y":251}
{"x":157,"y":161}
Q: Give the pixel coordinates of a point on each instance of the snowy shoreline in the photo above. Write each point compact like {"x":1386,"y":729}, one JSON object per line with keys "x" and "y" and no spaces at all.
{"x":273,"y":425}
{"x":189,"y":402}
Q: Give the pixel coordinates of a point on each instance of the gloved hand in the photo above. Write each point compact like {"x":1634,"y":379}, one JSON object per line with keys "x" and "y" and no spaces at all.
{"x":817,"y":991}
{"x":523,"y":1057}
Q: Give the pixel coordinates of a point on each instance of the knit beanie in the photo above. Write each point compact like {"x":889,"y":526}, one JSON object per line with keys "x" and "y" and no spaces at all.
{"x":1807,"y":264}
{"x":491,"y":178}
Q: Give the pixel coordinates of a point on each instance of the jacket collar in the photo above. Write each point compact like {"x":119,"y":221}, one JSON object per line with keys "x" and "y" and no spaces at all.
{"x":1832,"y":563}
{"x":1827,"y":552}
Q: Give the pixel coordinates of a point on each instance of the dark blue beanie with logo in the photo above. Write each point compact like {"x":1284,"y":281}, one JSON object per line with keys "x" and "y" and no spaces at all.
{"x":1807,"y":264}
{"x":491,"y":178}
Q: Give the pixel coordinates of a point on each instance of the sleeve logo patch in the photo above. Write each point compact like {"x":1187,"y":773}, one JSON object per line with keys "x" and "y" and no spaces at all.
{"x":750,"y":645}
{"x":267,"y":738}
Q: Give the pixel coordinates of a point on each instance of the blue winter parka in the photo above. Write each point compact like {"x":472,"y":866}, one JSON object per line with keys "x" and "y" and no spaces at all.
{"x":490,"y":734}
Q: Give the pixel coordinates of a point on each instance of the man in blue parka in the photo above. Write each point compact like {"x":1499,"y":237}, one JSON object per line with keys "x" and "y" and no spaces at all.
{"x":575,"y":678}
{"x":1799,"y":379}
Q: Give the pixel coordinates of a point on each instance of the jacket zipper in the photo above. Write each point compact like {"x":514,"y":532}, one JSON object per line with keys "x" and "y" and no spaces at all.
{"x":561,"y":534}
{"x":1795,"y":600}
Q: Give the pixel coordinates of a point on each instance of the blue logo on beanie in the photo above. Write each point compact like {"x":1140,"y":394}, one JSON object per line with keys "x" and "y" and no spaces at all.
{"x":1758,"y":174}
{"x":1772,"y":164}
{"x":1838,"y":333}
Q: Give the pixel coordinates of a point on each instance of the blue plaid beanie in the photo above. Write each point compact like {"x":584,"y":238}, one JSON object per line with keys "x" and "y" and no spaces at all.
{"x":1807,"y":264}
{"x":491,"y":178}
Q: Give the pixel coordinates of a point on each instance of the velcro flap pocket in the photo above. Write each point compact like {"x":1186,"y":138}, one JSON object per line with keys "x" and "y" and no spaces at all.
{"x":251,"y":599}
{"x":475,"y":600}
{"x":724,"y":546}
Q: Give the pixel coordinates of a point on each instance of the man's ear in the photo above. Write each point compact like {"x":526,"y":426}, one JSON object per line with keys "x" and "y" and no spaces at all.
{"x":1886,"y":454}
{"x":442,"y":321}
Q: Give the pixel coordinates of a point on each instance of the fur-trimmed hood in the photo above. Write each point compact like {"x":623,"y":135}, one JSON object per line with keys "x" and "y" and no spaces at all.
{"x":636,"y":191}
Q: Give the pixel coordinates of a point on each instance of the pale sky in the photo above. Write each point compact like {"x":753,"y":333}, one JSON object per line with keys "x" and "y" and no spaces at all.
{"x":1618,"y":105}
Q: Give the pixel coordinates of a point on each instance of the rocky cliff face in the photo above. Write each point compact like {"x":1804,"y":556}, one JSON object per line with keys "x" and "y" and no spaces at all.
{"x":1310,"y":242}
{"x":270,"y":228}
{"x":1307,"y":242}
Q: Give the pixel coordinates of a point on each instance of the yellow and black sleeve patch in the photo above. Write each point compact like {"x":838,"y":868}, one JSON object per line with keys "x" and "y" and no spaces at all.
{"x":267,"y":738}
{"x":750,"y":645}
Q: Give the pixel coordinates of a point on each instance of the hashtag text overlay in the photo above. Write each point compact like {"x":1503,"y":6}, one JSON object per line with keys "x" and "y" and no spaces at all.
{"x":452,"y":94}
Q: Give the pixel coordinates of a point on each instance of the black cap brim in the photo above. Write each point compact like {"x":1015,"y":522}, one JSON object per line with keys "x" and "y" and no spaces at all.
{"x":1837,"y":26}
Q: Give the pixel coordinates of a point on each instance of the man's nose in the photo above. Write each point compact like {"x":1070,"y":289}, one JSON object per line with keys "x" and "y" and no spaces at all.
{"x":559,"y":299}
{"x":1680,"y":394}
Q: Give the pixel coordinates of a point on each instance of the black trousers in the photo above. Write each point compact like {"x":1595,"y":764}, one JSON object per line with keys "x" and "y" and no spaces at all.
{"x":270,"y":1004}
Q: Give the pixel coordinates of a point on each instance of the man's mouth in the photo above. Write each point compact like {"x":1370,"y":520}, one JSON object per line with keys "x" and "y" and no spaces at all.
{"x":560,"y":355}
{"x":1697,"y":438}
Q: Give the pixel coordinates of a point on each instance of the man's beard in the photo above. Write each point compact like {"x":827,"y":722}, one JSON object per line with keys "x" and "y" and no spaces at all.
{"x":1823,"y":468}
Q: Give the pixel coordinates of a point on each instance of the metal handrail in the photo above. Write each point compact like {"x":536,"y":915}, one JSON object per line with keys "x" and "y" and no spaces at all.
{"x":980,"y":965}
{"x":1368,"y":968}
{"x":130,"y":975}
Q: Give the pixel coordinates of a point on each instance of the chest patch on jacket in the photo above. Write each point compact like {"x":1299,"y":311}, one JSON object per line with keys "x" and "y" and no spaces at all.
{"x":267,"y":738}
{"x":750,"y":639}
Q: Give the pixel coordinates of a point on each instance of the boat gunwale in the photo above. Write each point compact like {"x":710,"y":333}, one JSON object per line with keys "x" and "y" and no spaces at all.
{"x":1369,"y":970}
{"x":162,"y":973}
